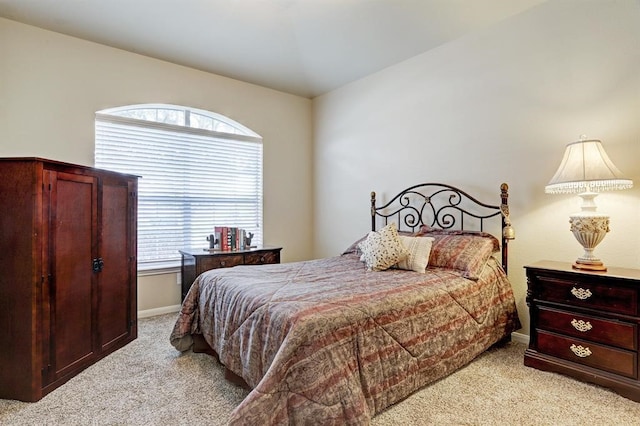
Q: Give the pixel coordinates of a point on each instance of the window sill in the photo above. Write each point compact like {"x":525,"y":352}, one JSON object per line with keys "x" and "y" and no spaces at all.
{"x":159,"y":268}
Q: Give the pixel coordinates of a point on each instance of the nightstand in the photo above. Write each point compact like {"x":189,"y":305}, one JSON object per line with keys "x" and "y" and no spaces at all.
{"x":585,"y":324}
{"x":196,"y":261}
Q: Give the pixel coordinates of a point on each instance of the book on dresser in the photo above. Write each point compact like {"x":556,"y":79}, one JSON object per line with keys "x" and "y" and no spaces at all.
{"x":585,"y":324}
{"x":229,"y":238}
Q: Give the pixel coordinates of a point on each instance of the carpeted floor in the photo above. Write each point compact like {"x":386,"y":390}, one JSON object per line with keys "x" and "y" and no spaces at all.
{"x":149,"y":383}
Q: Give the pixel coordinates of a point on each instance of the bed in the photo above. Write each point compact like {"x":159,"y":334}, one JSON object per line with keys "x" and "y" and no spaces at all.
{"x":337,"y":340}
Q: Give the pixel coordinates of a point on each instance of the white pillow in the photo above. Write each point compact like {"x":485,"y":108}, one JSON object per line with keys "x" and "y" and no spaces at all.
{"x":419,"y":249}
{"x":382,"y":249}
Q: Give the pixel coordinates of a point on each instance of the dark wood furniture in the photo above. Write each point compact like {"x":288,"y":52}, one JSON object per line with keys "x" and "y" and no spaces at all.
{"x":585,"y":324}
{"x":67,"y":271}
{"x":196,"y":261}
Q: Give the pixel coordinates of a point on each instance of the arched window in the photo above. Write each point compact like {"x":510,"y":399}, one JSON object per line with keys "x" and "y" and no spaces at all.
{"x":198,"y":170}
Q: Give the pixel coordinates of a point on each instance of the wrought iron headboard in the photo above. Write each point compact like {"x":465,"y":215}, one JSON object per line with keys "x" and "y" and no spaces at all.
{"x":442,"y":206}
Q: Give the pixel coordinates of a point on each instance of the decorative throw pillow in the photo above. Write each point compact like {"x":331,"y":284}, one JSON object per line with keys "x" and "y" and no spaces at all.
{"x":467,"y":253}
{"x":419,"y":249}
{"x":382,"y":249}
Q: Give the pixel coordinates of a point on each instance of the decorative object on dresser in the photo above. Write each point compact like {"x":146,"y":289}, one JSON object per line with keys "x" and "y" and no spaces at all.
{"x":587,"y":170}
{"x":69,"y":271}
{"x":585,"y":324}
{"x":228,"y":238}
{"x":196,"y":261}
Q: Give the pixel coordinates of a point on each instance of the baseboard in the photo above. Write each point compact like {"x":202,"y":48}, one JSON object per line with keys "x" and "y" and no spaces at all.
{"x":158,"y":311}
{"x":520,"y":338}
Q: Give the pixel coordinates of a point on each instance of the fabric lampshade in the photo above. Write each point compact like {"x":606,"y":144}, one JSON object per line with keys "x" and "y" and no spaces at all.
{"x":586,"y":167}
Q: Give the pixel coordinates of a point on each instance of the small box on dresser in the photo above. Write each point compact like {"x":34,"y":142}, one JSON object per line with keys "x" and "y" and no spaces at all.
{"x":585,"y":324}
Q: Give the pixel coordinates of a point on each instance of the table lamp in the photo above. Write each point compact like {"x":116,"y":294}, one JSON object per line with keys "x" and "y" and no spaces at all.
{"x":587,"y":170}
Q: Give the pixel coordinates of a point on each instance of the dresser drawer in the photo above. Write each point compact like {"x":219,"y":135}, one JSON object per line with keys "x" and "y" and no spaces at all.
{"x":610,"y":332}
{"x":583,"y":352}
{"x":588,"y":294}
{"x":260,"y":258}
{"x":221,"y":261}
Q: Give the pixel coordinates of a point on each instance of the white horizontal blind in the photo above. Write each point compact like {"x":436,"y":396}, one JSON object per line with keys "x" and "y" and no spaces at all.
{"x":191,"y":181}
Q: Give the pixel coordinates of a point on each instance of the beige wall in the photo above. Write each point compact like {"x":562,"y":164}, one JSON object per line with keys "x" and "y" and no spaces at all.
{"x":51,"y":85}
{"x":495,"y":106}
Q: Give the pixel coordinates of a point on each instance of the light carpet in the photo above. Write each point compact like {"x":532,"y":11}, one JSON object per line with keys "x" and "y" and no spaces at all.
{"x":149,"y":383}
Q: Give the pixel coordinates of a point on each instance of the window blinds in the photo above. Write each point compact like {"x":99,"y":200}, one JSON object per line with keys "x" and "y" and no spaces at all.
{"x":191,"y":181}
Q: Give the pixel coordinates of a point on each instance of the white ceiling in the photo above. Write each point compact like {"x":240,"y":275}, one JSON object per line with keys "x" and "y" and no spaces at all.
{"x":303,"y":47}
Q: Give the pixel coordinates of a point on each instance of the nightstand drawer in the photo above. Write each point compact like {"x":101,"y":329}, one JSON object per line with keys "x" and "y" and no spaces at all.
{"x":587,"y":294}
{"x":602,"y":357}
{"x":601,"y":330}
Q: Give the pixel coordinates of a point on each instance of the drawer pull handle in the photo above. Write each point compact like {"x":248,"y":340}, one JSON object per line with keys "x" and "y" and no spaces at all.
{"x":580,"y":351}
{"x":581,"y":325}
{"x":581,"y":293}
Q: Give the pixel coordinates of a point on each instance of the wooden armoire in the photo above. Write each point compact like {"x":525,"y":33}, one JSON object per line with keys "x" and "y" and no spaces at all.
{"x":67,"y":271}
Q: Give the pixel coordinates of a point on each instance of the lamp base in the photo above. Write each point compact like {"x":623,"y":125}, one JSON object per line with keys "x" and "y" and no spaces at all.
{"x":589,"y":228}
{"x":589,"y":265}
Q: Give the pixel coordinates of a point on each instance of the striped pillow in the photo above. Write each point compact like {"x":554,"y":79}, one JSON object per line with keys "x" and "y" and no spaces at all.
{"x":466,"y":253}
{"x":419,"y":249}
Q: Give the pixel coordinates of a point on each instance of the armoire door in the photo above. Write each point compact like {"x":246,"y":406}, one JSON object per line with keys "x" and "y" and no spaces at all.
{"x":117,"y":279}
{"x":71,"y":221}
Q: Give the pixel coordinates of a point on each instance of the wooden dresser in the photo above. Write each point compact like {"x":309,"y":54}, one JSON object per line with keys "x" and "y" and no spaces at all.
{"x":68,"y":271}
{"x":585,"y":324}
{"x":197,"y":261}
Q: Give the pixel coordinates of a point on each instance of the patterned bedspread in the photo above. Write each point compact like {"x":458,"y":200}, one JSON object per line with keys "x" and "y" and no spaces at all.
{"x":326,"y":342}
